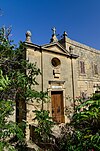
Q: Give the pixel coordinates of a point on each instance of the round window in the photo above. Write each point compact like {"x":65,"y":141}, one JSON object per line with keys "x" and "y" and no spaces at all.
{"x":55,"y":62}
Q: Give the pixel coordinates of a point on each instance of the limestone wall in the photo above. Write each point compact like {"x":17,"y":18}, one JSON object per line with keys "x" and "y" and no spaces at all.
{"x":87,"y":82}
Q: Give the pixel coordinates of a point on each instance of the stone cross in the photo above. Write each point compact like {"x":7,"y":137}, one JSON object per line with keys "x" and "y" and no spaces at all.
{"x":54,"y":30}
{"x":54,"y":38}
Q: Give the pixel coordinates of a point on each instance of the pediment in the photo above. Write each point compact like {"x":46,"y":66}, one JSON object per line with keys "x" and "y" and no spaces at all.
{"x":55,"y":47}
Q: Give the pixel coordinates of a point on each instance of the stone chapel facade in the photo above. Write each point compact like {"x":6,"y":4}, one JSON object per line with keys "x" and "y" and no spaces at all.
{"x":69,"y":70}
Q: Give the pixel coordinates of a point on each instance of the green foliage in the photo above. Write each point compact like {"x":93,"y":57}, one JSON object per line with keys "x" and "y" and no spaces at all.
{"x":81,"y":134}
{"x":44,"y":125}
{"x":85,"y":134}
{"x":8,"y":128}
{"x":17,"y":77}
{"x":4,"y":82}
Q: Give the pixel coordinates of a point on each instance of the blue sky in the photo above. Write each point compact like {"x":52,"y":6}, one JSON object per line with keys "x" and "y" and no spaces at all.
{"x":79,"y":18}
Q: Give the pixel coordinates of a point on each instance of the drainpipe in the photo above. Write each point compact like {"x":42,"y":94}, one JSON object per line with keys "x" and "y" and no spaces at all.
{"x":42,"y":74}
{"x":73,"y":91}
{"x":72,"y":56}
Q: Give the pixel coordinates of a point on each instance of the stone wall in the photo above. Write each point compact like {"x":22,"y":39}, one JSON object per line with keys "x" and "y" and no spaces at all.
{"x":87,"y":82}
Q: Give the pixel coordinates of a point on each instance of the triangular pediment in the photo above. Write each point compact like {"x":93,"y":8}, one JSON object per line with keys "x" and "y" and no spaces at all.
{"x":55,"y":47}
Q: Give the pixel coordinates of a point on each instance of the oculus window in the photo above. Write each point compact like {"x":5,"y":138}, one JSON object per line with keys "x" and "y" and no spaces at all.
{"x":55,"y":62}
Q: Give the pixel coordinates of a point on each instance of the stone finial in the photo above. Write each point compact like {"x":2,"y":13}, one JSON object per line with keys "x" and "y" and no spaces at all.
{"x":54,"y":38}
{"x":65,"y":34}
{"x":64,"y":40}
{"x":28,"y":36}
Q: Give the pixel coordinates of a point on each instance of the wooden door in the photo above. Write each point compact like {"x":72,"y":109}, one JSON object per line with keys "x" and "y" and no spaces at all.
{"x":57,"y":106}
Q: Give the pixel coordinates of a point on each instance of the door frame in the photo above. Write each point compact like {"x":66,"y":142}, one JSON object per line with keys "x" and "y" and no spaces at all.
{"x":62,"y":116}
{"x":49,"y":104}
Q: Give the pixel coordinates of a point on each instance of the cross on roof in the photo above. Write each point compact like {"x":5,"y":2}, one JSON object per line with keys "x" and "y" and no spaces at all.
{"x":54,"y":30}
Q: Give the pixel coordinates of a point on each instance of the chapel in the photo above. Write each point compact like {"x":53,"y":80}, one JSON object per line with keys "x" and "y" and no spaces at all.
{"x":69,"y":70}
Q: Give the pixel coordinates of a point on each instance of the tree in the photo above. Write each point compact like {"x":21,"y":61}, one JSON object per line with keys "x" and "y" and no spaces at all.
{"x":7,"y":128}
{"x":17,"y":78}
{"x":83,"y":132}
